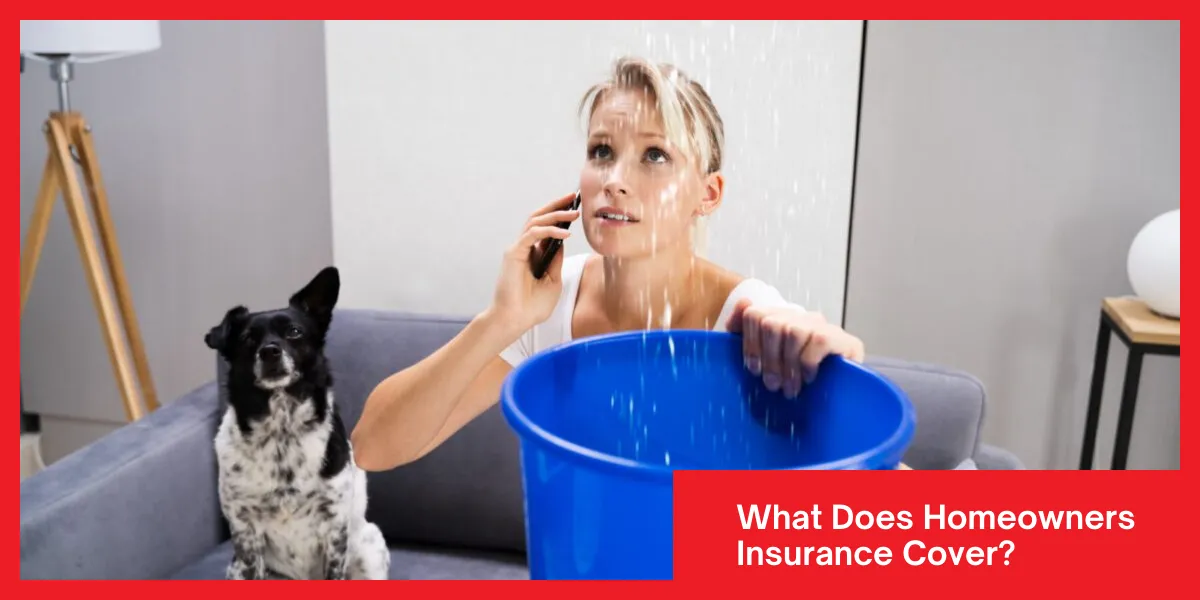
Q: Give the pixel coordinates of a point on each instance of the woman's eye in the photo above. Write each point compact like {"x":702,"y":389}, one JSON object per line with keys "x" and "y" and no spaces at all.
{"x":656,"y":156}
{"x":293,"y":332}
{"x":600,"y":151}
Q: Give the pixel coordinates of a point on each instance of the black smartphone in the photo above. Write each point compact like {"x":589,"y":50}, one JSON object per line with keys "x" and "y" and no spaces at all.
{"x":540,"y":262}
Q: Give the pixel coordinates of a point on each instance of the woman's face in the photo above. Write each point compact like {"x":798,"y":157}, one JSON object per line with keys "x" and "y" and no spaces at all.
{"x":640,"y":193}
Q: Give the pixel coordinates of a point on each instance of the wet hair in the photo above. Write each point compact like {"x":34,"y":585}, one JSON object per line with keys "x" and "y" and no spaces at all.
{"x":688,"y":113}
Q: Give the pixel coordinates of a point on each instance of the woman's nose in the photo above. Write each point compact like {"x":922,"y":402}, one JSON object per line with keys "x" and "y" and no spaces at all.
{"x":616,"y":188}
{"x":615,"y":184}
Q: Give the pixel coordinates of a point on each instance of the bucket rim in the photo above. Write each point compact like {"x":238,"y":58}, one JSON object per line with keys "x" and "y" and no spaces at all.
{"x":889,"y":450}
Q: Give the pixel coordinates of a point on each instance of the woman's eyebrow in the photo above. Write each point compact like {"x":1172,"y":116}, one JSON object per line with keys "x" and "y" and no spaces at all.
{"x":601,"y":134}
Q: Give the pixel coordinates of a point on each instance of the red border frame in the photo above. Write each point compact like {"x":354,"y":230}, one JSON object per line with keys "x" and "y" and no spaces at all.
{"x":1083,"y":564}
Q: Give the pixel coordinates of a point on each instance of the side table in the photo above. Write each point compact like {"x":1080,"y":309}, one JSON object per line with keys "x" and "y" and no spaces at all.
{"x":1143,"y":332}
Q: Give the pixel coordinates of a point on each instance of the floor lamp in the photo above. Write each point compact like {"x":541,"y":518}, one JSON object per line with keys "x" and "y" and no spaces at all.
{"x":63,"y":44}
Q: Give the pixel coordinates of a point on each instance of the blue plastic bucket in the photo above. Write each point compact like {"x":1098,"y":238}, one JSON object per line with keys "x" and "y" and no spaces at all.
{"x":604,"y":421}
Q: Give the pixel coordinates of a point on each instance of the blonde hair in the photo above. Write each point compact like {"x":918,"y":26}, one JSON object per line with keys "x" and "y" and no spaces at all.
{"x":688,"y":113}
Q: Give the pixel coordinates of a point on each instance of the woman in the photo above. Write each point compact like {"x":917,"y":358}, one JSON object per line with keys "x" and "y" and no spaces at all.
{"x":653,"y":167}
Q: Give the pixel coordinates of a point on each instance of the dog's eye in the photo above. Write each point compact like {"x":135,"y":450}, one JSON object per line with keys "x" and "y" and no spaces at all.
{"x":293,"y":332}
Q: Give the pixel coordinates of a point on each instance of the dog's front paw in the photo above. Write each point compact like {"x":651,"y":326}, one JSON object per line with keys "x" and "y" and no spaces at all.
{"x":243,"y":570}
{"x":336,"y":569}
{"x":336,"y":558}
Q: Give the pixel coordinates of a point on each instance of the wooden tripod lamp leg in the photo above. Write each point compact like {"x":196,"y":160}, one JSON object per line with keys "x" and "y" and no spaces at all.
{"x":82,"y":136}
{"x":39,"y":224}
{"x":64,"y":168}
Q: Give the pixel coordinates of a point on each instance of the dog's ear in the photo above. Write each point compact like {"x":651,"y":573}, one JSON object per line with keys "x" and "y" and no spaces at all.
{"x":219,"y":337}
{"x":320,"y":295}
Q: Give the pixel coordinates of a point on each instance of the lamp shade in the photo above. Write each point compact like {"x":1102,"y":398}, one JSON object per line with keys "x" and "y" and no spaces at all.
{"x":1153,"y":264}
{"x":88,"y":41}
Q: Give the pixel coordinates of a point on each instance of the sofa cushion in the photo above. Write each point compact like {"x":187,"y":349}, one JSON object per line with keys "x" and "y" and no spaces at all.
{"x":408,"y":562}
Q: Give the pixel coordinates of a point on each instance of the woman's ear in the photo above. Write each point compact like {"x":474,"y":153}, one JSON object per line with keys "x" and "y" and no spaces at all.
{"x":714,"y":193}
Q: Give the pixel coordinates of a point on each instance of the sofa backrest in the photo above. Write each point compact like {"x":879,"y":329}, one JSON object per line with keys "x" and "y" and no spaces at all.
{"x":468,"y":491}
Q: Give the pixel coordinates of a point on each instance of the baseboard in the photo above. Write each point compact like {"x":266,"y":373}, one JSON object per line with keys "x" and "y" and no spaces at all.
{"x":31,"y":455}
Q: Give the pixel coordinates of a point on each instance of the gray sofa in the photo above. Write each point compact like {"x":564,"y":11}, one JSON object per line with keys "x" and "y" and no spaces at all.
{"x":141,"y":503}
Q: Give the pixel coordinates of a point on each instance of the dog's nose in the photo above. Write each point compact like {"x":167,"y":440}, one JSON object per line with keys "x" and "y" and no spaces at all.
{"x":269,"y":352}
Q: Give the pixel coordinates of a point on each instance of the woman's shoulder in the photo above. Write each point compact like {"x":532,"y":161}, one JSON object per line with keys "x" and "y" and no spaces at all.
{"x":733,"y":288}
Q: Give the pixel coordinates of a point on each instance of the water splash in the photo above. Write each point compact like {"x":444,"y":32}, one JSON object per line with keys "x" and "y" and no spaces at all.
{"x":674,"y":366}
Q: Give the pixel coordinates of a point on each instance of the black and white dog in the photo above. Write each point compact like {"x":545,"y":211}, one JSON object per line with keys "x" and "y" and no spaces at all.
{"x":294,"y":499}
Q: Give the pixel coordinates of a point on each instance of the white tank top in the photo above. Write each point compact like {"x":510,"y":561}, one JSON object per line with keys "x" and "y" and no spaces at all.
{"x":556,"y":329}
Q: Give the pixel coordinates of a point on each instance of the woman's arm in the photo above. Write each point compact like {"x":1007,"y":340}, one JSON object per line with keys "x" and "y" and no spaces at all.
{"x":413,"y":411}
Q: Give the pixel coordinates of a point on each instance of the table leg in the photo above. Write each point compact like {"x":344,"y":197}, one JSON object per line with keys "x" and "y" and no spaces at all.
{"x":1133,"y":373}
{"x":1096,"y":394}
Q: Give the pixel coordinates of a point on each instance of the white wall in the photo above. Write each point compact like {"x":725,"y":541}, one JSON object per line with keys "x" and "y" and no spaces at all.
{"x":445,"y":136}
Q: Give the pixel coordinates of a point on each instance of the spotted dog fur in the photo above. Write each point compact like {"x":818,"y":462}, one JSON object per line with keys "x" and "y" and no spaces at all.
{"x":294,"y":499}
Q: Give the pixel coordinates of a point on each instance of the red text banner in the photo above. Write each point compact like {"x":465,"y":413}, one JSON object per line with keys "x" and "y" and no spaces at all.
{"x":1007,"y":531}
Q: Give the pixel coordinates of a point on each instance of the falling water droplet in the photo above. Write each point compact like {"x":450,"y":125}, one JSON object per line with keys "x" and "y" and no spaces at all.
{"x":671,"y":343}
{"x":667,"y":458}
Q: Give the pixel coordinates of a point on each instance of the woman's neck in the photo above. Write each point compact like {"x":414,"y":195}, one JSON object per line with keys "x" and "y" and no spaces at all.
{"x":653,"y":292}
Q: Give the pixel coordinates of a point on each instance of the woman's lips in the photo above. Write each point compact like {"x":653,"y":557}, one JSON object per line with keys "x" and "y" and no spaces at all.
{"x":614,"y":216}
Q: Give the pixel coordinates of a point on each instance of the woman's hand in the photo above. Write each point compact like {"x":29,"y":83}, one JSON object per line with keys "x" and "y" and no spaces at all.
{"x":786,"y":345}
{"x":520,"y":299}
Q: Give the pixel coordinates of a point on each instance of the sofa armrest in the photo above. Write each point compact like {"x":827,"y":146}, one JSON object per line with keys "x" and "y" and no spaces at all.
{"x":994,"y":458}
{"x":950,"y":404}
{"x":140,"y":503}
